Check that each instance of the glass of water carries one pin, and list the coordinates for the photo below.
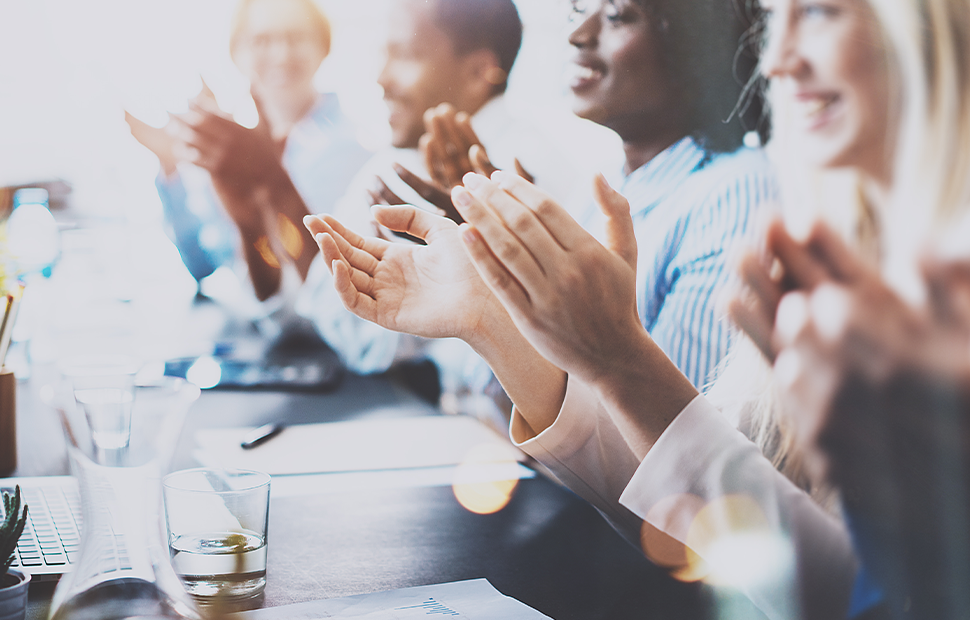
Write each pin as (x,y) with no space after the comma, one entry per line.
(104,388)
(217,521)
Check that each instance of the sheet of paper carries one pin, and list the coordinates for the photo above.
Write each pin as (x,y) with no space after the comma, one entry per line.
(343,482)
(474,599)
(359,445)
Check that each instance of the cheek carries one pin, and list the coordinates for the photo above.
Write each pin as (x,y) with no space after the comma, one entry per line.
(638,68)
(407,76)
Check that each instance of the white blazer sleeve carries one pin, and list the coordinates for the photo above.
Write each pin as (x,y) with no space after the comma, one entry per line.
(698,462)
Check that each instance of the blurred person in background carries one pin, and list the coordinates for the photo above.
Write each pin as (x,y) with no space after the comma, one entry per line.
(303,153)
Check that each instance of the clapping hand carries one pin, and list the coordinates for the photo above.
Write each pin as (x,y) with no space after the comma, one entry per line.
(840,338)
(160,141)
(572,298)
(431,291)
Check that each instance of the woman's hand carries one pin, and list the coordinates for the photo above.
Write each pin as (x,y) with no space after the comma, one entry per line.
(431,291)
(841,339)
(574,299)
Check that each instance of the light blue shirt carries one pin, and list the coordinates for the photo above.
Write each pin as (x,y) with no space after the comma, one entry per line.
(690,209)
(321,156)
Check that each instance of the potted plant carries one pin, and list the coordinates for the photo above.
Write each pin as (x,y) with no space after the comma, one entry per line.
(13,583)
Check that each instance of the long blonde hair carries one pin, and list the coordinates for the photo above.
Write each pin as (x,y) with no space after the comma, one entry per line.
(927,47)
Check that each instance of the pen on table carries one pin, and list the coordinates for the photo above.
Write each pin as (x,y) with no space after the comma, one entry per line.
(261,435)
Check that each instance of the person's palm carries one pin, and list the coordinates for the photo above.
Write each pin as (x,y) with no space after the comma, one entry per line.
(431,291)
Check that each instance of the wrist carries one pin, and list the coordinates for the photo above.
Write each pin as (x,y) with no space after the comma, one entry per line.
(643,390)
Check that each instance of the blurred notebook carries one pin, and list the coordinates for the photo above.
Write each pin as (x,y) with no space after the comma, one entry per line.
(299,362)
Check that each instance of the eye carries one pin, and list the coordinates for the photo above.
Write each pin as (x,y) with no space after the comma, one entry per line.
(577,9)
(817,10)
(619,12)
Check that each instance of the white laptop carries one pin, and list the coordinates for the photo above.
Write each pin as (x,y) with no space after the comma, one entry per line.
(52,537)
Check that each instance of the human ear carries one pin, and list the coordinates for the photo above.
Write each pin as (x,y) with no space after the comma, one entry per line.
(483,73)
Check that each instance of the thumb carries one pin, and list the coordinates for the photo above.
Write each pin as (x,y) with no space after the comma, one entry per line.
(620,237)
(206,92)
(262,123)
(411,220)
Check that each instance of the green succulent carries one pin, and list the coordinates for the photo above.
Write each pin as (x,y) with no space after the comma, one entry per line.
(14,521)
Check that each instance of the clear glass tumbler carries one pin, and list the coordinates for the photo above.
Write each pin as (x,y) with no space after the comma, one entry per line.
(217,521)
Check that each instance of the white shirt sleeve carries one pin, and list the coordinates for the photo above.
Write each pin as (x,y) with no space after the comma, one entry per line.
(700,463)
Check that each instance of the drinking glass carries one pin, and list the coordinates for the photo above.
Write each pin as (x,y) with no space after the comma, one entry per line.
(217,521)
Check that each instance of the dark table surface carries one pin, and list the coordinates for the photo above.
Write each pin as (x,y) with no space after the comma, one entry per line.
(547,547)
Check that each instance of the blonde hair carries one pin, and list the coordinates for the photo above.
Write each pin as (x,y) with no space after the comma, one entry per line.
(319,23)
(927,53)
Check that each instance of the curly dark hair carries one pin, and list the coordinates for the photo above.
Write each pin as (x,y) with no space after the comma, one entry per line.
(710,51)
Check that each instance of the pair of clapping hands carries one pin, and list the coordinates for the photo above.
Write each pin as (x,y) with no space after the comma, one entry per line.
(518,255)
(450,149)
(239,159)
(851,357)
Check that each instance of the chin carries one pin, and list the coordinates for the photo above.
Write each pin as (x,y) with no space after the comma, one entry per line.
(590,111)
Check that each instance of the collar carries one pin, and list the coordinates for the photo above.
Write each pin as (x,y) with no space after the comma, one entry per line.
(648,185)
(491,118)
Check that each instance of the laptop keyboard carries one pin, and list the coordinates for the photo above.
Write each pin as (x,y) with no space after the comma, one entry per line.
(52,536)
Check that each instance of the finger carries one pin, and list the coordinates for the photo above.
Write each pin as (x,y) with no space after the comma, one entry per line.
(375,198)
(948,285)
(208,108)
(206,92)
(765,292)
(463,125)
(501,282)
(429,192)
(452,158)
(752,323)
(351,245)
(802,269)
(832,251)
(620,235)
(457,138)
(411,220)
(330,247)
(564,229)
(522,172)
(386,195)
(480,161)
(262,123)
(357,302)
(508,249)
(435,160)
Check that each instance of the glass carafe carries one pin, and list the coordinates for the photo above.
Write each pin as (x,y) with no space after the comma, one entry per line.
(123,569)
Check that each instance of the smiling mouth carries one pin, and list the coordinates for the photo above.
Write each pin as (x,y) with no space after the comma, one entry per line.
(582,75)
(814,107)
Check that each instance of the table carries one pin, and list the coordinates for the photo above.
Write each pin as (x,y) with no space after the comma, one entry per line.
(547,548)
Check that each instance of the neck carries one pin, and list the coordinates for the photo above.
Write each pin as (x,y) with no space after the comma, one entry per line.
(876,189)
(285,112)
(639,152)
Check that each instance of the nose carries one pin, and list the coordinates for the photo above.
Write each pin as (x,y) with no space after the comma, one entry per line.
(781,55)
(586,27)
(384,79)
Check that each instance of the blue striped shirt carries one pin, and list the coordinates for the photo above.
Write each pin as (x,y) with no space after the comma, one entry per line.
(690,209)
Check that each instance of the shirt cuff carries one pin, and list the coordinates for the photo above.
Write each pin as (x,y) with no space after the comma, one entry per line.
(679,462)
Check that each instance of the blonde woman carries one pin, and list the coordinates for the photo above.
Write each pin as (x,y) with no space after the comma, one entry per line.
(596,400)
(303,150)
